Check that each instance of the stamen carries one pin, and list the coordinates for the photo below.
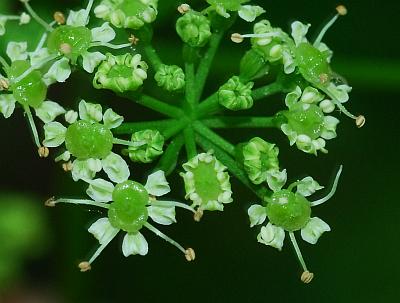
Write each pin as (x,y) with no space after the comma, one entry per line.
(4,63)
(238,38)
(300,258)
(360,121)
(128,143)
(86,265)
(198,215)
(43,152)
(41,42)
(88,9)
(306,277)
(33,126)
(332,192)
(172,203)
(67,167)
(33,67)
(59,17)
(343,109)
(109,45)
(52,202)
(4,84)
(36,16)
(183,8)
(341,11)
(190,255)
(133,40)
(165,237)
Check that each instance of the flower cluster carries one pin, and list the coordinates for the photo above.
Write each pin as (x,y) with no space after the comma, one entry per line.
(87,139)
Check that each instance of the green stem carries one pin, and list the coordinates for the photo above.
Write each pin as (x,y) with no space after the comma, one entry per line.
(190,143)
(131,127)
(242,122)
(205,64)
(169,159)
(297,250)
(36,17)
(209,106)
(191,86)
(204,131)
(32,125)
(152,56)
(232,166)
(156,105)
(266,91)
(175,128)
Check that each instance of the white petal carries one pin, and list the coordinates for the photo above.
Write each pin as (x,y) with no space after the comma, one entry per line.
(104,33)
(112,119)
(299,32)
(17,50)
(78,18)
(7,105)
(313,230)
(100,190)
(48,111)
(271,235)
(102,230)
(58,72)
(81,169)
(307,186)
(257,214)
(276,179)
(90,112)
(134,244)
(91,60)
(39,56)
(164,215)
(54,133)
(116,168)
(157,185)
(249,13)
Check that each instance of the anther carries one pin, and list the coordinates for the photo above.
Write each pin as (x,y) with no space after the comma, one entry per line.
(43,152)
(51,202)
(84,266)
(323,78)
(306,277)
(65,48)
(198,215)
(59,17)
(360,121)
(133,40)
(237,38)
(342,10)
(190,254)
(67,167)
(4,84)
(183,8)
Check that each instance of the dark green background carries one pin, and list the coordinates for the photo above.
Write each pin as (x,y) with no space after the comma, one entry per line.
(357,262)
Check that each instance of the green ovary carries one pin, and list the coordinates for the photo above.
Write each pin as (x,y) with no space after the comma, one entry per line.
(78,38)
(312,63)
(206,182)
(128,211)
(85,140)
(31,90)
(288,210)
(133,8)
(306,119)
(120,71)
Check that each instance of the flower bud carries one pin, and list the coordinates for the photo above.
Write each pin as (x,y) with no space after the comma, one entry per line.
(147,145)
(194,29)
(170,77)
(235,95)
(253,65)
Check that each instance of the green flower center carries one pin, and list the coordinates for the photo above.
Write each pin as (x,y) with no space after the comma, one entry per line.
(128,211)
(288,210)
(312,63)
(133,8)
(206,181)
(31,90)
(306,119)
(85,140)
(231,5)
(71,41)
(120,71)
